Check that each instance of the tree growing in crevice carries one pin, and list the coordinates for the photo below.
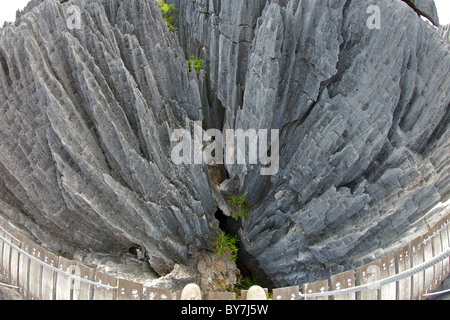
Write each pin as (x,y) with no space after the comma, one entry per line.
(169,14)
(240,205)
(226,244)
(196,63)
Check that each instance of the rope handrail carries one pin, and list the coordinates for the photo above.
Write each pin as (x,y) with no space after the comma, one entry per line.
(438,231)
(42,263)
(436,293)
(10,235)
(8,285)
(376,284)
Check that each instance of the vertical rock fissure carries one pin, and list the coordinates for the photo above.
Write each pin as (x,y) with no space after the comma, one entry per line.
(248,266)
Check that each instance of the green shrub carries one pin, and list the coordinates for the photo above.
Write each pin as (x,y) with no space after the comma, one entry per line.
(240,214)
(169,12)
(241,204)
(248,282)
(237,200)
(197,63)
(226,244)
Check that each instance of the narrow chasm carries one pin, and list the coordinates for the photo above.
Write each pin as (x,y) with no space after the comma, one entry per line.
(247,265)
(214,118)
(227,225)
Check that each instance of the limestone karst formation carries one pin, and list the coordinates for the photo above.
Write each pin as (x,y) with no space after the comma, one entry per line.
(86,116)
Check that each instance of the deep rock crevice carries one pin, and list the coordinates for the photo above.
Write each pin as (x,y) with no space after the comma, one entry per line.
(247,264)
(86,118)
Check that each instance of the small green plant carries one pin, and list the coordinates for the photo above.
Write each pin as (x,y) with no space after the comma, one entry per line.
(237,200)
(248,282)
(196,63)
(228,287)
(240,214)
(169,12)
(226,244)
(242,206)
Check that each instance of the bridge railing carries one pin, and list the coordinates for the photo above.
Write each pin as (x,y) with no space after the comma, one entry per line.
(413,272)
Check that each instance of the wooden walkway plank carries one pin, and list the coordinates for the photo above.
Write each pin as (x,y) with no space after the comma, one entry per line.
(445,245)
(6,254)
(101,293)
(404,263)
(437,249)
(161,294)
(83,290)
(24,265)
(387,266)
(64,283)
(14,258)
(447,222)
(428,254)
(49,276)
(35,273)
(417,258)
(2,233)
(289,293)
(365,275)
(342,281)
(316,287)
(129,290)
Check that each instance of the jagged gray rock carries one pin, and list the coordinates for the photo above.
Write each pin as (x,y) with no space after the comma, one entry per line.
(444,31)
(363,116)
(86,116)
(426,8)
(85,139)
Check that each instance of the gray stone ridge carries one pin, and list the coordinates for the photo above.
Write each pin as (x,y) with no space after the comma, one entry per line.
(426,8)
(86,116)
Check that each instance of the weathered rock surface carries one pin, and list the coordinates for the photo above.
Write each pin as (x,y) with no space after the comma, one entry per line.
(445,32)
(363,116)
(212,272)
(86,117)
(426,8)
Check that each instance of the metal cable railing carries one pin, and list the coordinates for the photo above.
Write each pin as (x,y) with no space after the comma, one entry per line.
(436,293)
(10,235)
(395,278)
(72,276)
(8,285)
(376,284)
